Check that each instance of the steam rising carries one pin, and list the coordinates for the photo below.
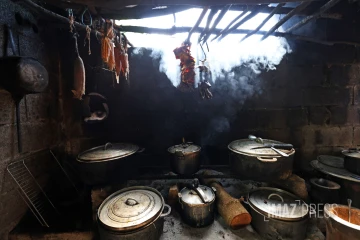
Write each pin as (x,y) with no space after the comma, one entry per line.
(223,55)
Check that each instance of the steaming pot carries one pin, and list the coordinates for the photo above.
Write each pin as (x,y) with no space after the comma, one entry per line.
(185,158)
(259,164)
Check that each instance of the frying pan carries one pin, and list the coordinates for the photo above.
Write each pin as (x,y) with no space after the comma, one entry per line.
(21,76)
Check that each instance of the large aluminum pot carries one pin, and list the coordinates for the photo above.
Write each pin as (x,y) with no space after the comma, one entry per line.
(197,204)
(131,214)
(111,162)
(338,226)
(352,160)
(185,158)
(277,214)
(259,164)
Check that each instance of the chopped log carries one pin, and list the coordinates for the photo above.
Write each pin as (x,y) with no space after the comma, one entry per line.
(211,15)
(229,208)
(174,30)
(323,9)
(278,7)
(173,198)
(230,24)
(241,22)
(223,11)
(293,184)
(205,9)
(299,8)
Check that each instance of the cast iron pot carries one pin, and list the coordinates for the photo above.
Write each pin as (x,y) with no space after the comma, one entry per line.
(324,191)
(337,222)
(277,214)
(352,160)
(131,214)
(112,162)
(197,204)
(261,164)
(185,158)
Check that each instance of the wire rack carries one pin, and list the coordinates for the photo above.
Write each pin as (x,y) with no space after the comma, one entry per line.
(32,193)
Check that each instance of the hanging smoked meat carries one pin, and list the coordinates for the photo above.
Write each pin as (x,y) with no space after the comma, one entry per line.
(117,54)
(107,46)
(79,74)
(187,64)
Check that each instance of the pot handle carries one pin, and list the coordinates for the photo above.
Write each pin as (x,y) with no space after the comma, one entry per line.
(141,150)
(107,145)
(267,159)
(277,195)
(164,214)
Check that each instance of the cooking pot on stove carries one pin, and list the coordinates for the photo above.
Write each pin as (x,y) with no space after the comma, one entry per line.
(132,213)
(185,158)
(352,160)
(252,161)
(338,226)
(197,204)
(277,214)
(111,162)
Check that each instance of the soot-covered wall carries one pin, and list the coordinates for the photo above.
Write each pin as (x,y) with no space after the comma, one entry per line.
(310,100)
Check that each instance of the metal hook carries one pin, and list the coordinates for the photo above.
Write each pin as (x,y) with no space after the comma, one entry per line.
(82,16)
(70,12)
(203,61)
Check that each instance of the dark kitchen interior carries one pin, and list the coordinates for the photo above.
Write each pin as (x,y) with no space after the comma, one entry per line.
(105,137)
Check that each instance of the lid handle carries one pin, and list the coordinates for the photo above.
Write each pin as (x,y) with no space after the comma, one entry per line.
(277,195)
(107,145)
(199,191)
(131,202)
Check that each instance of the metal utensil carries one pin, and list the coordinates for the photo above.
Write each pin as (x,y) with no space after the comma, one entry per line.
(279,152)
(280,145)
(349,204)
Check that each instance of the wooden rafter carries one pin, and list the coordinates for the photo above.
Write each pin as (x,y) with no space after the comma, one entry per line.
(299,8)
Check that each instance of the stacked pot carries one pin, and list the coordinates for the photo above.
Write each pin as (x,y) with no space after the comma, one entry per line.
(132,213)
(185,158)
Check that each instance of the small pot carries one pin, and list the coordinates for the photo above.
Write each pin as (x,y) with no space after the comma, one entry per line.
(197,204)
(337,222)
(107,163)
(324,191)
(131,214)
(352,160)
(185,158)
(277,214)
(259,164)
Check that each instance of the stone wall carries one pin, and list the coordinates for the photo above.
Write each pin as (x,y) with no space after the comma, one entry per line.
(38,111)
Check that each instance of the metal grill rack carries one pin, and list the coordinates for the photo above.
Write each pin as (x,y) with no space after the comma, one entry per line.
(32,193)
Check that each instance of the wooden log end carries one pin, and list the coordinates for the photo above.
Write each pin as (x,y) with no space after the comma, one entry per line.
(240,221)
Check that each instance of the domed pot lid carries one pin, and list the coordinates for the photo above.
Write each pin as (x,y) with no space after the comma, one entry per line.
(196,194)
(278,204)
(107,152)
(130,208)
(187,147)
(253,148)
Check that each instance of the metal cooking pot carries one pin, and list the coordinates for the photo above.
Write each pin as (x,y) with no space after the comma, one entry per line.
(324,191)
(132,213)
(277,214)
(337,222)
(259,164)
(197,204)
(185,158)
(352,160)
(111,162)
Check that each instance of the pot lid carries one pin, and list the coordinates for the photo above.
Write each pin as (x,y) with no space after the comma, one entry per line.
(277,203)
(332,161)
(201,195)
(187,147)
(250,147)
(109,151)
(130,208)
(352,152)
